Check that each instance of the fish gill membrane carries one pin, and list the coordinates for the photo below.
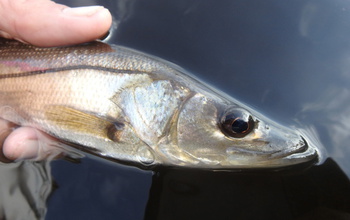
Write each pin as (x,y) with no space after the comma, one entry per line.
(132,107)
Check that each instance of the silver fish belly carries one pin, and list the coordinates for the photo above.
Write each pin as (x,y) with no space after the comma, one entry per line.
(133,107)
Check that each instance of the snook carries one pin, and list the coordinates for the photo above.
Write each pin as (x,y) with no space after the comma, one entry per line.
(126,105)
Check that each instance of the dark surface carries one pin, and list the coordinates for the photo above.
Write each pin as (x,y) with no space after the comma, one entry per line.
(316,193)
(97,189)
(288,59)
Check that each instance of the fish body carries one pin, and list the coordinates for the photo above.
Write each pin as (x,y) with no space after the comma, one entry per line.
(126,105)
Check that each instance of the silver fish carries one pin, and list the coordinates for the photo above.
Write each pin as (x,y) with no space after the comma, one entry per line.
(123,104)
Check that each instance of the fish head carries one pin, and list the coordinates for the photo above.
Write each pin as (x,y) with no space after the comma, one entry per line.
(215,133)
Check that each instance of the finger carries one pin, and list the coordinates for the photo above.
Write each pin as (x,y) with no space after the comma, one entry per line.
(45,23)
(28,143)
(22,143)
(5,129)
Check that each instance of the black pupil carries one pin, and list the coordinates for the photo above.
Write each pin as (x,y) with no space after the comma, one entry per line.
(237,123)
(239,126)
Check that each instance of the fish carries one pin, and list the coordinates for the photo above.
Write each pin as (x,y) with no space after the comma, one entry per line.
(128,106)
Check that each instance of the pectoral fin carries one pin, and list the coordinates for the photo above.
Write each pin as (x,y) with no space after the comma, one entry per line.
(86,123)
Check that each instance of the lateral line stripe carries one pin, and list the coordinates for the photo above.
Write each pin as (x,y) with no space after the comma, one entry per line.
(52,70)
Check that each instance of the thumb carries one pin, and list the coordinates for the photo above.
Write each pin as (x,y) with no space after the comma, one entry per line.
(45,23)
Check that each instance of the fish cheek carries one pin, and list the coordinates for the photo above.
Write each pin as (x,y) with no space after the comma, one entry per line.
(198,131)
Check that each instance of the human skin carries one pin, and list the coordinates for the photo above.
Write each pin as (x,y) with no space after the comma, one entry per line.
(43,23)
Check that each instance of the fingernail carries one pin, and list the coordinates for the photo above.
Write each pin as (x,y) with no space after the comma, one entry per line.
(83,11)
(104,36)
(20,40)
(5,34)
(8,36)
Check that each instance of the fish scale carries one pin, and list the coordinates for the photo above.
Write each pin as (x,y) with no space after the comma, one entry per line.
(132,107)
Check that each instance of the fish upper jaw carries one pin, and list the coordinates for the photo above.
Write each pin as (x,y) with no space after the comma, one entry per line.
(300,152)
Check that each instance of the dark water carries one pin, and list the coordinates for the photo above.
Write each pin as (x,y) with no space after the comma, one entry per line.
(288,59)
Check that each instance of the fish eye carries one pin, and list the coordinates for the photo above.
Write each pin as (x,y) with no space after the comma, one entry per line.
(237,123)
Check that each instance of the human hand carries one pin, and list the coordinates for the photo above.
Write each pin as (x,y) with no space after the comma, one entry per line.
(43,23)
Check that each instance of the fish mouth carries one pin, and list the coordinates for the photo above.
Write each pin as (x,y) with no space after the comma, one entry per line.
(305,152)
(300,153)
(304,147)
(301,147)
